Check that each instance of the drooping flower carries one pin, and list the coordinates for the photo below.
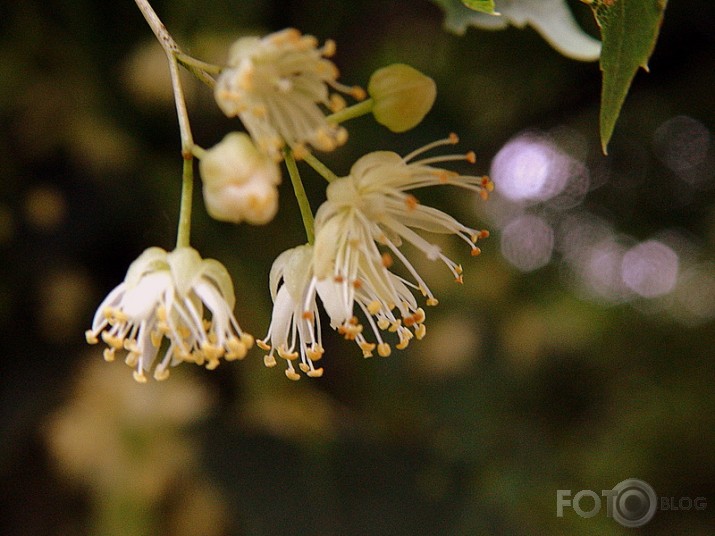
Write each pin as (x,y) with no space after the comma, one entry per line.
(279,86)
(295,330)
(176,303)
(361,226)
(551,18)
(239,181)
(295,324)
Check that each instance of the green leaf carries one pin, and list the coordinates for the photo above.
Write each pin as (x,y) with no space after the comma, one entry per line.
(629,31)
(485,6)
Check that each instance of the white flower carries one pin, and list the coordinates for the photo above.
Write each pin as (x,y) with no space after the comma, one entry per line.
(295,324)
(166,296)
(240,182)
(371,209)
(551,18)
(279,86)
(295,330)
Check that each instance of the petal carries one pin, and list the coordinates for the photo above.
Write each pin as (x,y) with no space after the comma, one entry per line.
(219,276)
(150,260)
(140,301)
(185,264)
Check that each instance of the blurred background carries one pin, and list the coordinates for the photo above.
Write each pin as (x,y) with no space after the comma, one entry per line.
(578,353)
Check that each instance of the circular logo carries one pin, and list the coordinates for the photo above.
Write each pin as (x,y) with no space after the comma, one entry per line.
(635,503)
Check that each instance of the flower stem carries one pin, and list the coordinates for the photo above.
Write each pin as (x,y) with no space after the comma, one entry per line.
(318,166)
(351,112)
(300,195)
(183,233)
(172,51)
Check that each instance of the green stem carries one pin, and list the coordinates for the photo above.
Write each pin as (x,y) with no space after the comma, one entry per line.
(187,190)
(321,168)
(200,69)
(351,112)
(173,52)
(300,195)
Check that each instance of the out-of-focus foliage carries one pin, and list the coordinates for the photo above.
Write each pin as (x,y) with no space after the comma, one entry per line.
(577,353)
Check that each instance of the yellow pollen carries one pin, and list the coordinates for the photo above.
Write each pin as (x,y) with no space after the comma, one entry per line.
(211,364)
(160,374)
(155,337)
(420,332)
(383,349)
(108,354)
(132,359)
(315,353)
(394,326)
(236,349)
(366,346)
(411,202)
(304,367)
(329,48)
(459,279)
(419,315)
(403,343)
(358,93)
(471,157)
(453,138)
(458,269)
(432,302)
(91,337)
(315,373)
(269,361)
(197,357)
(111,340)
(383,323)
(292,375)
(212,352)
(247,339)
(373,307)
(139,376)
(337,102)
(285,354)
(262,345)
(300,151)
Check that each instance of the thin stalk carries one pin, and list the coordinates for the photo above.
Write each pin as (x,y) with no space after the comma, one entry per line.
(318,166)
(300,195)
(183,233)
(351,112)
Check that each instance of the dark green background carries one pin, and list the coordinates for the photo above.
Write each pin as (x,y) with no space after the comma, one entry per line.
(410,448)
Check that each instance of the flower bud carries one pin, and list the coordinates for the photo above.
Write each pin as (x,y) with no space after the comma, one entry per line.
(239,181)
(402,96)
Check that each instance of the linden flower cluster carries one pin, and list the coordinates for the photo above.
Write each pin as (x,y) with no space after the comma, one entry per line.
(359,230)
(175,307)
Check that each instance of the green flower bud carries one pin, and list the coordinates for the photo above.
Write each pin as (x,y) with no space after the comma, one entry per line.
(402,96)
